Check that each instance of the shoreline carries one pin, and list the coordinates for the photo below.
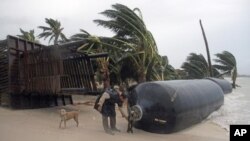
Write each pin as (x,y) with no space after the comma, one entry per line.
(43,125)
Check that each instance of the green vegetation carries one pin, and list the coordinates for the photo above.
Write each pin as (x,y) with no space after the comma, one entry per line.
(29,36)
(197,67)
(227,65)
(54,31)
(133,53)
(132,37)
(94,45)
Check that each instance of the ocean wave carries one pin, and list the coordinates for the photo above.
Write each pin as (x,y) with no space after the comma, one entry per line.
(236,107)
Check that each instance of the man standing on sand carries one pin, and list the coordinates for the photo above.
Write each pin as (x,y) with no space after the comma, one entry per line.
(106,106)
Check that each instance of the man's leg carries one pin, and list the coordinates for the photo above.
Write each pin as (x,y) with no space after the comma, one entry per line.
(113,124)
(105,125)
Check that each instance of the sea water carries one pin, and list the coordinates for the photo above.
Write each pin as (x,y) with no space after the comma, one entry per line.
(236,108)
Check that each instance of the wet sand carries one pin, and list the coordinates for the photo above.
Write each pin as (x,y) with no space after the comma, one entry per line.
(43,125)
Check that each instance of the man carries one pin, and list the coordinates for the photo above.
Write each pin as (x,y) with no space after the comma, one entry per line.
(106,106)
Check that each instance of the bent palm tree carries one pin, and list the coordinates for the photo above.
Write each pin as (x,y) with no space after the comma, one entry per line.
(132,37)
(227,64)
(94,45)
(161,70)
(29,36)
(168,70)
(207,50)
(197,67)
(80,36)
(54,31)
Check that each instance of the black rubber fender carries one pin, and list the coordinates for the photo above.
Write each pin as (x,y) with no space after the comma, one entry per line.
(224,84)
(169,106)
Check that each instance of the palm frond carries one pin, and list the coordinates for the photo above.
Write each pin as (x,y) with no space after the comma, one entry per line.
(54,31)
(227,63)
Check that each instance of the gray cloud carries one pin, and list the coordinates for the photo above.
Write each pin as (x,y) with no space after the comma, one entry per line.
(174,24)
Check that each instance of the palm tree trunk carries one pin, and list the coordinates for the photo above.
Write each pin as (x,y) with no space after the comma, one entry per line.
(105,75)
(141,76)
(208,53)
(106,80)
(162,72)
(56,40)
(234,76)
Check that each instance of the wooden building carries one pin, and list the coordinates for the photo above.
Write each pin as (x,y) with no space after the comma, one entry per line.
(34,75)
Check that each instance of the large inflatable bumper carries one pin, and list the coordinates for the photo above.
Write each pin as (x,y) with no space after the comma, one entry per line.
(169,106)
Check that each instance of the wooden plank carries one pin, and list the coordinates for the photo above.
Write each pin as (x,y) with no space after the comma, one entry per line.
(92,78)
(82,72)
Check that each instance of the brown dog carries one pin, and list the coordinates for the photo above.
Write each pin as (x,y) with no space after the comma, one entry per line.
(65,116)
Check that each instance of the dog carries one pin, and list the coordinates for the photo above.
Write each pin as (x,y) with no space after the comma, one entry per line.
(65,116)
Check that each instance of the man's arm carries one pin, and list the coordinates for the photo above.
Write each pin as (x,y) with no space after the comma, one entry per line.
(104,96)
(122,112)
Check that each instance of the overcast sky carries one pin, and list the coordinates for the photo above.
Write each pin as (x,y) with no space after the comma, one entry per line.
(174,23)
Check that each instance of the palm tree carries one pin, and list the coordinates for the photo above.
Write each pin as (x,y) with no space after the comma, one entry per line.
(161,70)
(227,65)
(108,68)
(80,36)
(54,31)
(94,45)
(168,71)
(208,53)
(28,35)
(132,37)
(197,67)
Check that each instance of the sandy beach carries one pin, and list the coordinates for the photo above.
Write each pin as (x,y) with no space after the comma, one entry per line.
(43,125)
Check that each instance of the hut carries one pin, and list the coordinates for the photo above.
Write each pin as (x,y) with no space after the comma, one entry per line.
(34,75)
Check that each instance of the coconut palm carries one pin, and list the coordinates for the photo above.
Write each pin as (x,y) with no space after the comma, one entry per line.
(227,65)
(132,37)
(168,71)
(83,35)
(107,67)
(28,35)
(128,71)
(197,67)
(161,70)
(94,45)
(54,31)
(207,50)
